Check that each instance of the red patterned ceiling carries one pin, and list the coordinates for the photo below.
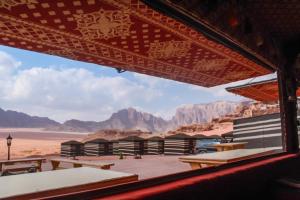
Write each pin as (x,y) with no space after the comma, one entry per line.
(124,34)
(265,91)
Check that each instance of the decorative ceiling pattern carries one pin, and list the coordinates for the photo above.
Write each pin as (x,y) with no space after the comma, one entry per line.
(123,34)
(265,91)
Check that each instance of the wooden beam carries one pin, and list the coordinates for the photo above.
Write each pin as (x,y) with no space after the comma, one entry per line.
(288,108)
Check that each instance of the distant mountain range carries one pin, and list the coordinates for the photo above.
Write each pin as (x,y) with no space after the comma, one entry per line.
(13,119)
(125,119)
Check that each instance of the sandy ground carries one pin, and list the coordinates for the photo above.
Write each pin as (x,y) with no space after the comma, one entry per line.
(224,128)
(29,147)
(34,142)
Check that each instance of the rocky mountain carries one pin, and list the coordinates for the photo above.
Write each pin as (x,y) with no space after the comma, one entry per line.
(201,113)
(131,119)
(128,119)
(77,125)
(125,119)
(21,120)
(224,124)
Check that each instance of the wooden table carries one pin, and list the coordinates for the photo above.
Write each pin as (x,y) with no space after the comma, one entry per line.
(79,163)
(223,157)
(38,161)
(230,146)
(52,183)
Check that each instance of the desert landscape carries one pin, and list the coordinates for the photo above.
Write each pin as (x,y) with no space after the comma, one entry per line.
(36,136)
(37,142)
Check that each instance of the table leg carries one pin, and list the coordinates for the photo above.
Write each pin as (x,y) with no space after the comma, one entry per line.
(208,165)
(105,167)
(75,165)
(195,165)
(39,162)
(55,164)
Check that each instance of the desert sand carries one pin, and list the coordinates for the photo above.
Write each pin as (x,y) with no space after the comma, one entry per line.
(224,128)
(30,147)
(34,142)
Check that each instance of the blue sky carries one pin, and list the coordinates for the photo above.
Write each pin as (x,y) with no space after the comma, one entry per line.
(63,89)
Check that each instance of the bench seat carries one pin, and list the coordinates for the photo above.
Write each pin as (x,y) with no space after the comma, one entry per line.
(20,167)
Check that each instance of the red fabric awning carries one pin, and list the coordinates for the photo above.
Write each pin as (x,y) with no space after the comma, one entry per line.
(265,91)
(122,34)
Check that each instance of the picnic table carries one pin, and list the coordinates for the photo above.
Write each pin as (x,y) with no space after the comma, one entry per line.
(218,158)
(52,183)
(21,164)
(230,146)
(79,163)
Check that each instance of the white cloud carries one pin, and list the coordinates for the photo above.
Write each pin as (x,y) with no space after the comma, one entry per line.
(65,93)
(7,64)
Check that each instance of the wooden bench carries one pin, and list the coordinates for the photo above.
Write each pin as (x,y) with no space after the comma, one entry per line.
(230,146)
(20,164)
(79,163)
(223,157)
(20,167)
